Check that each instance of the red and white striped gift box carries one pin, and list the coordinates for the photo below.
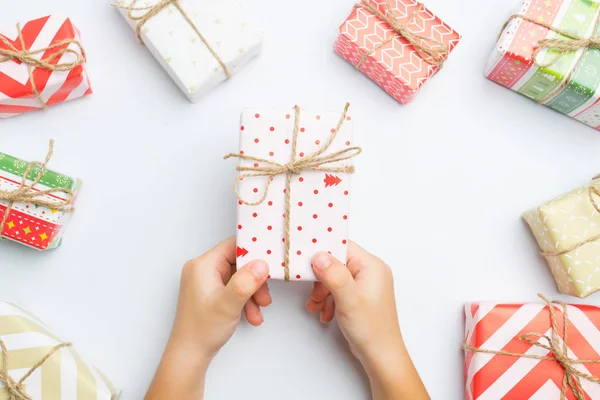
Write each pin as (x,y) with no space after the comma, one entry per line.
(16,89)
(499,327)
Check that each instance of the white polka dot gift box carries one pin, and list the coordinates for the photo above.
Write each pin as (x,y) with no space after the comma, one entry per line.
(39,365)
(200,43)
(544,54)
(293,188)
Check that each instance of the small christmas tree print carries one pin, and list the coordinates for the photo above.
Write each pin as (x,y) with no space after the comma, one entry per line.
(241,252)
(331,180)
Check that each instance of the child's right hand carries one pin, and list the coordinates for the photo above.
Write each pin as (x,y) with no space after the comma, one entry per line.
(361,296)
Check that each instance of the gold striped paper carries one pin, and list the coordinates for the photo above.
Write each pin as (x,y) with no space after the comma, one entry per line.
(64,376)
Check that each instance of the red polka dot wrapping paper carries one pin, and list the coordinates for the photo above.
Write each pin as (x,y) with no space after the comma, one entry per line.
(319,212)
(16,90)
(396,66)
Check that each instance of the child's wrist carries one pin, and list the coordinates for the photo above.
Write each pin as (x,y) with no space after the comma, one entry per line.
(386,358)
(189,351)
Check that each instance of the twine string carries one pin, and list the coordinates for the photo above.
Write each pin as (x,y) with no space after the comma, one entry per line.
(593,194)
(15,390)
(559,349)
(561,47)
(27,192)
(430,50)
(317,161)
(153,10)
(28,57)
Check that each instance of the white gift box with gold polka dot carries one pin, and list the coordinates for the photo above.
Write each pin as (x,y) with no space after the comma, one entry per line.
(319,200)
(179,49)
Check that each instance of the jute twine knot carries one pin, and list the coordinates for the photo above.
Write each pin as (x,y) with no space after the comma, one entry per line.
(593,195)
(431,51)
(28,194)
(572,43)
(559,349)
(153,10)
(310,162)
(51,63)
(15,389)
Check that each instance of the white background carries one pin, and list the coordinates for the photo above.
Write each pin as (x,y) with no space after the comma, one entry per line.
(438,194)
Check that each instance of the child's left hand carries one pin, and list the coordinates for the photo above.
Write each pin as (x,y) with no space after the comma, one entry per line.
(211,300)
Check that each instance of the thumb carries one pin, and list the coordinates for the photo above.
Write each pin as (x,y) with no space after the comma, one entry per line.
(244,284)
(336,277)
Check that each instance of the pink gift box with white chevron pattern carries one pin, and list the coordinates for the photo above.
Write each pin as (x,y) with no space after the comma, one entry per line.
(396,65)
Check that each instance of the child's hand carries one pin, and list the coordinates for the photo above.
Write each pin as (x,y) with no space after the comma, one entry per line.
(211,301)
(361,295)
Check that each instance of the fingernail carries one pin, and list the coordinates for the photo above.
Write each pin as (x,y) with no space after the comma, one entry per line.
(259,268)
(322,261)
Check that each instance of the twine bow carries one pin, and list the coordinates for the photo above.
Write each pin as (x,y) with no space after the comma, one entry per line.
(592,191)
(560,46)
(310,162)
(559,350)
(15,390)
(153,10)
(28,57)
(432,51)
(28,193)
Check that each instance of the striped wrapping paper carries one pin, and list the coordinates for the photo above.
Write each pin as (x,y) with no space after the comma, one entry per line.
(35,226)
(498,327)
(511,63)
(64,376)
(16,90)
(396,66)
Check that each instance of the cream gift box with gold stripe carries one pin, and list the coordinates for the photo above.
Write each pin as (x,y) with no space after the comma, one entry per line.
(567,230)
(62,376)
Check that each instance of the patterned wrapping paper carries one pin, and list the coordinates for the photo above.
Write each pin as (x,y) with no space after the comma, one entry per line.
(16,90)
(512,65)
(319,201)
(179,49)
(63,376)
(562,223)
(35,226)
(396,66)
(499,327)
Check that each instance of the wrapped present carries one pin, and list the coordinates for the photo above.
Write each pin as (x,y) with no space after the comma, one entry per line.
(546,52)
(293,188)
(39,365)
(200,43)
(567,230)
(35,203)
(42,63)
(399,44)
(532,351)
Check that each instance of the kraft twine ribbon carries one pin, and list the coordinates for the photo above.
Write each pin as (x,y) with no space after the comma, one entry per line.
(432,51)
(310,162)
(15,390)
(592,191)
(562,46)
(153,10)
(559,349)
(27,193)
(28,57)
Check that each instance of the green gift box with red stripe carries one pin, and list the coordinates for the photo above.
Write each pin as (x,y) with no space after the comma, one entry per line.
(528,60)
(38,226)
